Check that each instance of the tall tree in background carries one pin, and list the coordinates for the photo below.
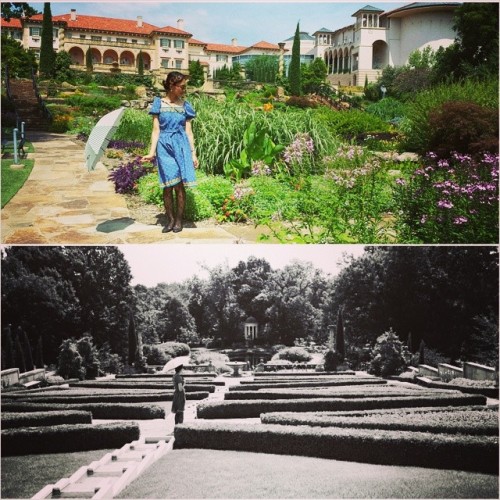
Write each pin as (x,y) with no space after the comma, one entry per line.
(88,60)
(47,53)
(17,10)
(294,68)
(340,336)
(196,74)
(140,64)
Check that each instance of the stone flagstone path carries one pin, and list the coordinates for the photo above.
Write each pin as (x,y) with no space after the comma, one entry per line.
(63,203)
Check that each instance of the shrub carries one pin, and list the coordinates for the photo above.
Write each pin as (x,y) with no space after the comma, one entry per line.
(465,127)
(216,189)
(477,453)
(387,109)
(175,349)
(293,354)
(34,419)
(154,355)
(253,408)
(198,207)
(70,361)
(108,411)
(332,360)
(126,175)
(387,356)
(320,382)
(480,421)
(416,125)
(451,200)
(67,438)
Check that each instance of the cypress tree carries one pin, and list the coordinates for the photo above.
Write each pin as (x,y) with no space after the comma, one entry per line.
(421,353)
(26,346)
(88,60)
(47,53)
(409,343)
(340,336)
(39,353)
(294,68)
(132,340)
(9,349)
(20,361)
(140,63)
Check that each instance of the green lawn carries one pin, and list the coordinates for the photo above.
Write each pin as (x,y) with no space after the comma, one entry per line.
(23,476)
(226,474)
(13,179)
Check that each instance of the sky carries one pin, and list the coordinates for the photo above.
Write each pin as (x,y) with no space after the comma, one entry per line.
(153,264)
(221,21)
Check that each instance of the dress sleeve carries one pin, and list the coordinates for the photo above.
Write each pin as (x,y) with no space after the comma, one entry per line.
(155,107)
(189,110)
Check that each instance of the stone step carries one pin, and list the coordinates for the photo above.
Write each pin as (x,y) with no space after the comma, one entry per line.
(86,488)
(111,469)
(128,456)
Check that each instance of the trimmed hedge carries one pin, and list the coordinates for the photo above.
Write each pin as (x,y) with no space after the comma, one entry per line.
(449,421)
(67,438)
(39,418)
(246,385)
(326,393)
(308,374)
(117,411)
(109,398)
(253,409)
(197,387)
(439,451)
(187,376)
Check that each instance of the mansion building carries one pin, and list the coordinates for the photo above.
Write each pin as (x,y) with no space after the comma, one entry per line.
(353,53)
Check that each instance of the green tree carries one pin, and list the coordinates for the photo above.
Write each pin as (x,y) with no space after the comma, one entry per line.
(140,64)
(26,347)
(196,74)
(89,355)
(89,64)
(475,50)
(313,76)
(62,67)
(17,10)
(262,69)
(294,68)
(16,58)
(47,53)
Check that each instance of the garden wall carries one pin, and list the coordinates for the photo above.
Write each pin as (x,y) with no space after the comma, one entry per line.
(449,372)
(428,371)
(12,376)
(475,371)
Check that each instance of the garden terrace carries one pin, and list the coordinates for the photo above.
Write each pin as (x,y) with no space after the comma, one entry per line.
(187,376)
(441,451)
(118,411)
(313,375)
(364,392)
(490,392)
(253,408)
(479,421)
(67,438)
(11,420)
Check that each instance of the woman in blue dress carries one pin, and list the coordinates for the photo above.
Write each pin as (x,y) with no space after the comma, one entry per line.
(172,143)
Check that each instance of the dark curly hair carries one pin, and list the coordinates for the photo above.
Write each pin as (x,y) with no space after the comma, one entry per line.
(173,78)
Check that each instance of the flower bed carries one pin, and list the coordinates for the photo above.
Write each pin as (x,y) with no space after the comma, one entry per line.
(11,420)
(446,420)
(67,438)
(107,411)
(253,408)
(441,451)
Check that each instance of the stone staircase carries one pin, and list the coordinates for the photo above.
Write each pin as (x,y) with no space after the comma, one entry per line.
(107,477)
(27,106)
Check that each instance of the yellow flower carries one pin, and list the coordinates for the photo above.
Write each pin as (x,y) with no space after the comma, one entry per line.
(267,106)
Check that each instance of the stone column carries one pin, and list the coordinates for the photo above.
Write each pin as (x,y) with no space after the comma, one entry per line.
(281,66)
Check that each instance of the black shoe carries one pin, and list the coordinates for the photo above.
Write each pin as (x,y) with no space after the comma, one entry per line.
(167,229)
(177,229)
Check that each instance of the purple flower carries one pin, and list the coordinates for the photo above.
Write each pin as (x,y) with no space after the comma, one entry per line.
(401,182)
(445,204)
(460,220)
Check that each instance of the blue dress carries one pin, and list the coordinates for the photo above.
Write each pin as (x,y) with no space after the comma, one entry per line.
(173,152)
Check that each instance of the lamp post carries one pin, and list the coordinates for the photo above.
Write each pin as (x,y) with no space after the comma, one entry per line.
(383,89)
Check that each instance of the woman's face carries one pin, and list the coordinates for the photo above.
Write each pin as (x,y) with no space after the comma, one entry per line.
(178,89)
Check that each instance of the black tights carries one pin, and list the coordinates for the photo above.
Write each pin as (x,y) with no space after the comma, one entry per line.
(168,202)
(179,417)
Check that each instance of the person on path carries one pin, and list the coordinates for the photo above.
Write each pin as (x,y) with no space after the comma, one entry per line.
(172,143)
(179,400)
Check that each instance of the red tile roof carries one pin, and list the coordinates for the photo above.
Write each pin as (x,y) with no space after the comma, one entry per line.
(219,47)
(265,45)
(12,23)
(193,41)
(172,31)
